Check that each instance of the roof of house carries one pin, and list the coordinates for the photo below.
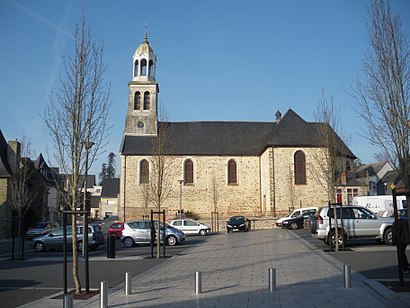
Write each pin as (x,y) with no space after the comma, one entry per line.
(230,138)
(370,169)
(110,188)
(5,170)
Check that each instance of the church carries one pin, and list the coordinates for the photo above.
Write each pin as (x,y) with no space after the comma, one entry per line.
(231,168)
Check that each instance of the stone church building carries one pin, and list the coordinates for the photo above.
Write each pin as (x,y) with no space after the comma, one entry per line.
(249,168)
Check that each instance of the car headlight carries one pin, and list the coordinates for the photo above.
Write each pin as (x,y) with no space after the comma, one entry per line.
(229,226)
(241,225)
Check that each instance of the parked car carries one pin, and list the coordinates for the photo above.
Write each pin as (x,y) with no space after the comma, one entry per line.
(190,226)
(297,222)
(55,238)
(239,223)
(139,232)
(358,222)
(295,213)
(41,228)
(116,228)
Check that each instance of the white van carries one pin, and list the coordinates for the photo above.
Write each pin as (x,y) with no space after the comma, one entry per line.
(380,204)
(295,213)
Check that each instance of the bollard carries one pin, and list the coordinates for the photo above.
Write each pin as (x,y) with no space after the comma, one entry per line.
(111,246)
(347,276)
(104,294)
(198,283)
(272,279)
(128,283)
(68,301)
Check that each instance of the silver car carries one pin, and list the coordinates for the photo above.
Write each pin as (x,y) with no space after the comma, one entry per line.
(54,240)
(139,232)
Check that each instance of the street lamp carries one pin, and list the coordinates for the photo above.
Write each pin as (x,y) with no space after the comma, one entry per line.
(181,182)
(87,145)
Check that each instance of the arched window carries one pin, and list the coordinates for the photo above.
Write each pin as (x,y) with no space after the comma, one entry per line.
(300,168)
(137,100)
(136,68)
(188,172)
(146,100)
(232,172)
(143,67)
(151,68)
(144,172)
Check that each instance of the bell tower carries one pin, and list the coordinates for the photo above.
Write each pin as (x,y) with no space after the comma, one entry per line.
(143,93)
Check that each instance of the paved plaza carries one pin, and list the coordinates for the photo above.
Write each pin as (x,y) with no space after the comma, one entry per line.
(235,273)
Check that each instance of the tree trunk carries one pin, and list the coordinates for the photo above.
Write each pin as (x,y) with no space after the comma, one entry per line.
(77,283)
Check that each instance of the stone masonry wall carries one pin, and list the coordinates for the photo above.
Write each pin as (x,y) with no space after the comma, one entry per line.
(311,194)
(243,198)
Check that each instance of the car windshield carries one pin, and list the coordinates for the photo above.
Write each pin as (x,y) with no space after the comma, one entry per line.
(237,219)
(40,225)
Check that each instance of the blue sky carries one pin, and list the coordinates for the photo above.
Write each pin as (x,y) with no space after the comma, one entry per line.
(217,60)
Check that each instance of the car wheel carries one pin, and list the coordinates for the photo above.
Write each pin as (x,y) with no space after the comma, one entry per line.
(228,231)
(388,237)
(340,238)
(312,224)
(129,242)
(39,246)
(203,232)
(80,245)
(293,226)
(172,240)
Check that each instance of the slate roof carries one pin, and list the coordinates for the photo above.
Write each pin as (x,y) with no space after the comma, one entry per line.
(5,170)
(229,138)
(110,188)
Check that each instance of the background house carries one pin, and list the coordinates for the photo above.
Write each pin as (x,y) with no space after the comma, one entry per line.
(109,204)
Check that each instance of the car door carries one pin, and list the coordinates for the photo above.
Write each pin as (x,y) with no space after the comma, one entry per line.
(190,227)
(367,223)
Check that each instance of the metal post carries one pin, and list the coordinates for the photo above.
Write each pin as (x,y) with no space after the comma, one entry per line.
(180,197)
(104,294)
(272,279)
(128,283)
(65,252)
(347,276)
(68,301)
(198,282)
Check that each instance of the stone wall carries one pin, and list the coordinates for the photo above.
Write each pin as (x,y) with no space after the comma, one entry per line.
(242,198)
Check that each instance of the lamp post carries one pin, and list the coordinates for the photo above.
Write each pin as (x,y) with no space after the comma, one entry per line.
(87,145)
(181,182)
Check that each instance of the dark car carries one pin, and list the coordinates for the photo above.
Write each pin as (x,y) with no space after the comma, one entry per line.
(116,228)
(239,223)
(297,222)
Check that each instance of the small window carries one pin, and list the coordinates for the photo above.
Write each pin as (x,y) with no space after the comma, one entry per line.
(147,101)
(232,172)
(188,172)
(136,68)
(143,67)
(151,68)
(177,223)
(300,168)
(144,172)
(137,100)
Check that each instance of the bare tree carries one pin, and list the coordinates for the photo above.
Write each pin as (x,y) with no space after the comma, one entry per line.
(383,92)
(161,171)
(332,150)
(22,192)
(77,119)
